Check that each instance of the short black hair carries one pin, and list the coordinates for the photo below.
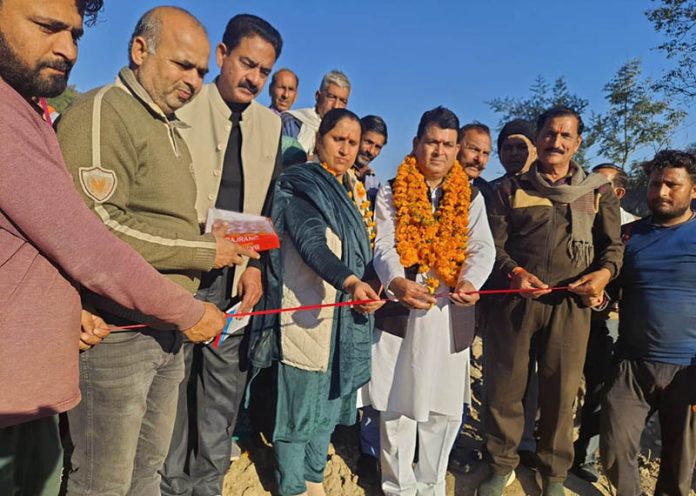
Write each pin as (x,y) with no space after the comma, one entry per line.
(375,124)
(246,25)
(441,117)
(89,9)
(672,159)
(559,111)
(620,179)
(333,116)
(473,126)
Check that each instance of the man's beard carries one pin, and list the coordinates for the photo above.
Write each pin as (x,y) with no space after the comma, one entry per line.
(362,161)
(667,214)
(28,81)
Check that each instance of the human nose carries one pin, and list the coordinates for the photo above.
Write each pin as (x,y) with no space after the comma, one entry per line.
(256,77)
(193,79)
(557,141)
(65,46)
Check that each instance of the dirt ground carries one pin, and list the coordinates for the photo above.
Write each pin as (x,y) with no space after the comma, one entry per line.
(252,473)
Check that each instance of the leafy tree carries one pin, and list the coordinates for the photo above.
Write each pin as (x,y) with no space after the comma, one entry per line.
(61,102)
(676,20)
(543,96)
(636,117)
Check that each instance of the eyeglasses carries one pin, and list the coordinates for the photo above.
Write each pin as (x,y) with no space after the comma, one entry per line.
(477,150)
(331,97)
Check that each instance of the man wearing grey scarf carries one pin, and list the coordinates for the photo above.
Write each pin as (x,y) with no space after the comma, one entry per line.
(554,226)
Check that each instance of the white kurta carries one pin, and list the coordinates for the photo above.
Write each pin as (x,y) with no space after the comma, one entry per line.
(420,373)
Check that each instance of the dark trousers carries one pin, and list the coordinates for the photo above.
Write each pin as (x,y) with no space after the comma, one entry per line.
(637,389)
(597,369)
(121,429)
(199,455)
(560,329)
(31,458)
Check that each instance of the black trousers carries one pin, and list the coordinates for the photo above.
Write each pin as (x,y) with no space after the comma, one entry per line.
(637,389)
(598,362)
(209,401)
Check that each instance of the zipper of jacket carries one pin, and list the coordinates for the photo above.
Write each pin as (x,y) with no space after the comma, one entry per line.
(547,248)
(172,139)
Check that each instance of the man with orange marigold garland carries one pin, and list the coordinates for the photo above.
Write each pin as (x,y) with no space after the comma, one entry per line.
(433,250)
(554,226)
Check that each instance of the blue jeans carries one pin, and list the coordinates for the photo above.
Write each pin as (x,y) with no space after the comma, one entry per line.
(121,430)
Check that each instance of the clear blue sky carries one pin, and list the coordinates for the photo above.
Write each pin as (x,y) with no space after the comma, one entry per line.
(404,57)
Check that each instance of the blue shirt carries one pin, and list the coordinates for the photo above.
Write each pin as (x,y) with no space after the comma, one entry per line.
(658,306)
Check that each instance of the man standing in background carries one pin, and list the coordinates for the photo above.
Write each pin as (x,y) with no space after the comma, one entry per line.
(474,152)
(303,124)
(283,90)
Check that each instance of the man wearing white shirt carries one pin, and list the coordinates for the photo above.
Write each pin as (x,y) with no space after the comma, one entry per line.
(420,369)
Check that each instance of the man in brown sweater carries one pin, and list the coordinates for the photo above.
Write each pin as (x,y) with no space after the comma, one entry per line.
(554,225)
(49,244)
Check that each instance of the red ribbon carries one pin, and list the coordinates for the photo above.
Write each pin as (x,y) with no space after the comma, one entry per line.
(351,303)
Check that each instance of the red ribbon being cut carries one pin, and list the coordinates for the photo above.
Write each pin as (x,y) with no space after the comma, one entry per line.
(351,303)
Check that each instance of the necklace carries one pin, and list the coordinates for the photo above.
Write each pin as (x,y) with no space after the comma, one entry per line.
(357,193)
(432,240)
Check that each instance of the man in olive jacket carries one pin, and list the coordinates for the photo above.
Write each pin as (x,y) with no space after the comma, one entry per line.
(121,144)
(553,226)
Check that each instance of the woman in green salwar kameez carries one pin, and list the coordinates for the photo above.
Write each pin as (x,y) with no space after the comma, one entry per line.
(321,357)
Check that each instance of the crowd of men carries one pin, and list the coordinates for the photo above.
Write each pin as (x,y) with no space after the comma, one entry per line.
(100,228)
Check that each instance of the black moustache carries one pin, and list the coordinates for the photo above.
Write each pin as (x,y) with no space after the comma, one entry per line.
(248,86)
(59,65)
(554,150)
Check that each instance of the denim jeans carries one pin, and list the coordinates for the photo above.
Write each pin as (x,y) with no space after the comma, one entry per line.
(121,430)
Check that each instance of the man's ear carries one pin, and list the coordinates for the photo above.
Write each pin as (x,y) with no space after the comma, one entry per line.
(620,192)
(220,53)
(139,51)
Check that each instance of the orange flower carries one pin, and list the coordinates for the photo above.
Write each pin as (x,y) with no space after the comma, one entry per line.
(433,240)
(357,194)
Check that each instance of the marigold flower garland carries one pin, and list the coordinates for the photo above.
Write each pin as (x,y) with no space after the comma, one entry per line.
(432,240)
(358,194)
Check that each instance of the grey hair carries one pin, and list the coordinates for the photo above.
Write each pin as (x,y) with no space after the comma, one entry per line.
(334,77)
(149,27)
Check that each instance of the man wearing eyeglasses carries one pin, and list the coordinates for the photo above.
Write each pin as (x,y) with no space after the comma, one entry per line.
(303,124)
(474,153)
